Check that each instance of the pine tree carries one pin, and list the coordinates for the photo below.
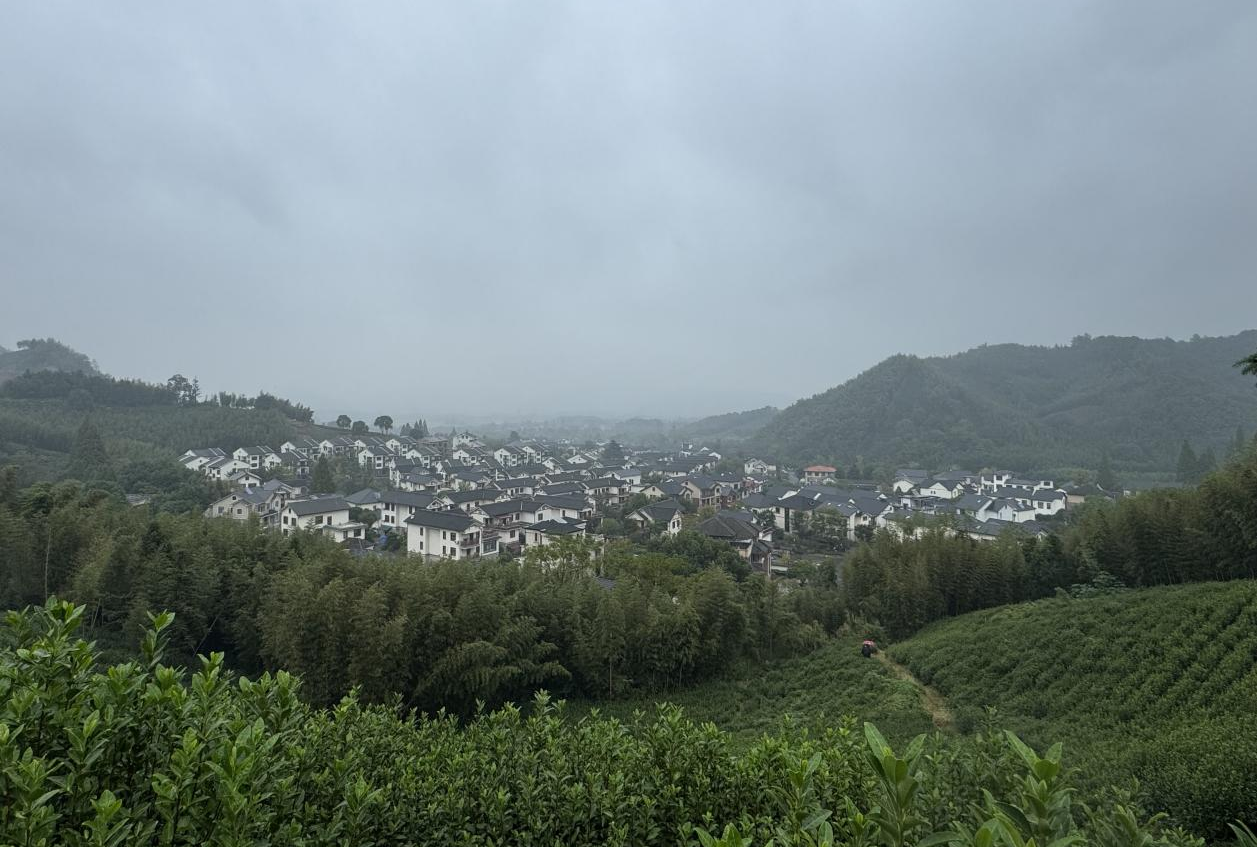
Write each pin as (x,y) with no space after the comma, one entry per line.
(1187,463)
(1240,444)
(322,483)
(1105,478)
(1207,463)
(88,458)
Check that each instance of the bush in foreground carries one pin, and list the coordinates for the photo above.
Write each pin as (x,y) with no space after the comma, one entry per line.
(142,753)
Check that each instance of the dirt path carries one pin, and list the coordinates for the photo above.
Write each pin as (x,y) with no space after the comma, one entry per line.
(934,703)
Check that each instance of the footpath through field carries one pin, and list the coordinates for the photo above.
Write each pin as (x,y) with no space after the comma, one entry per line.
(935,704)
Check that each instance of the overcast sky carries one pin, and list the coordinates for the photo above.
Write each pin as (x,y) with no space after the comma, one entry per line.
(671,208)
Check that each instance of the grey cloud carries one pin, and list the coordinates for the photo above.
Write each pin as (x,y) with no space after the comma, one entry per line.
(652,208)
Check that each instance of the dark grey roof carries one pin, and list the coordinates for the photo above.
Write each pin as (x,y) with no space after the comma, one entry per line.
(971,502)
(564,502)
(500,508)
(728,527)
(670,487)
(564,477)
(702,481)
(314,506)
(473,495)
(422,500)
(515,483)
(662,511)
(562,488)
(363,496)
(550,527)
(457,521)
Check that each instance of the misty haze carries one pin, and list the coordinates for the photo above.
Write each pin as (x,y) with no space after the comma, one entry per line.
(654,423)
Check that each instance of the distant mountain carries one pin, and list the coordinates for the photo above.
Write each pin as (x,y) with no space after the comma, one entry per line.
(1030,408)
(42,355)
(732,426)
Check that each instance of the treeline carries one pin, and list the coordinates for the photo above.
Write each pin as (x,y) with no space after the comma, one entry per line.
(1159,537)
(94,388)
(264,400)
(441,635)
(140,754)
(173,428)
(83,390)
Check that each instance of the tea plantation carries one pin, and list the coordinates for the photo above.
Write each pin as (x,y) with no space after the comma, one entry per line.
(1158,684)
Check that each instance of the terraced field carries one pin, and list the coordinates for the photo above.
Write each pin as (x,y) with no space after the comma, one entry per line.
(1158,684)
(815,691)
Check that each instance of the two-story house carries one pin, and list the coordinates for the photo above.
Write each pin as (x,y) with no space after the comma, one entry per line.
(448,535)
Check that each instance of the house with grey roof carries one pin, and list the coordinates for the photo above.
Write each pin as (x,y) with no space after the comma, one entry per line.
(665,515)
(313,514)
(446,535)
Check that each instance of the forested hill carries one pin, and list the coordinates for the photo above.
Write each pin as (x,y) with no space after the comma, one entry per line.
(732,425)
(1027,407)
(42,355)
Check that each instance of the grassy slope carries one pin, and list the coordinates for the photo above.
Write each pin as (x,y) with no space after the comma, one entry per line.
(1127,663)
(816,691)
(1158,684)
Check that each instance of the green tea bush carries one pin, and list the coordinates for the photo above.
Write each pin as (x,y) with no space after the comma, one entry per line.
(144,753)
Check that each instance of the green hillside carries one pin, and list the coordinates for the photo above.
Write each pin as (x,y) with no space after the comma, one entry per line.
(143,427)
(1158,684)
(731,426)
(814,691)
(42,355)
(1034,408)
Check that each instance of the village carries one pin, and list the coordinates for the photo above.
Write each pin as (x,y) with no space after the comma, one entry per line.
(456,497)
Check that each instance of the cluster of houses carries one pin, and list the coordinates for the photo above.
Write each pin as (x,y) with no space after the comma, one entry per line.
(455,497)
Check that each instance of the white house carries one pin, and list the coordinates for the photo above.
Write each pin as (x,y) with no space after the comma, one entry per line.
(817,474)
(467,500)
(1048,501)
(547,532)
(259,457)
(465,439)
(449,535)
(395,507)
(508,519)
(425,455)
(940,489)
(313,513)
(197,458)
(344,532)
(223,467)
(993,480)
(244,479)
(758,468)
(508,456)
(665,514)
(567,506)
(378,457)
(1006,509)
